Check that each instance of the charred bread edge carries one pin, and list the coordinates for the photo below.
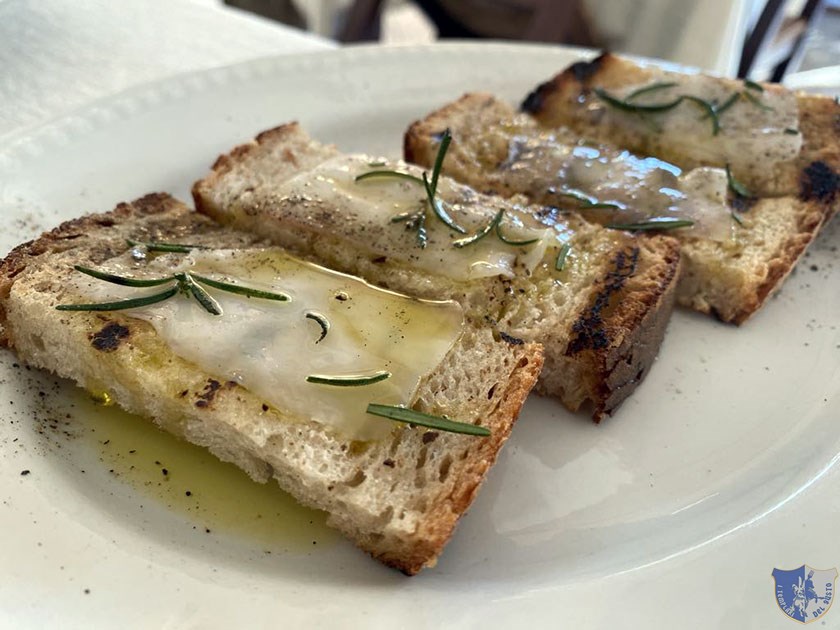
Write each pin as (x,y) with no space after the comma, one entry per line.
(622,359)
(780,267)
(633,329)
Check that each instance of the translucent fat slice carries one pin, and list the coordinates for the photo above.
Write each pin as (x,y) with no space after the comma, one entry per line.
(271,347)
(329,197)
(753,123)
(614,186)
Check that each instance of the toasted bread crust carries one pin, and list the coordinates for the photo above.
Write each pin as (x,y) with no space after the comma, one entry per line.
(624,323)
(556,102)
(716,279)
(106,349)
(637,318)
(439,527)
(625,330)
(227,161)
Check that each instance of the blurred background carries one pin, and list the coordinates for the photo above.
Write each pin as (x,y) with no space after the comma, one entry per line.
(760,39)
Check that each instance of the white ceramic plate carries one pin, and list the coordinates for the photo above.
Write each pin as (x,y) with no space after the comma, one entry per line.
(671,514)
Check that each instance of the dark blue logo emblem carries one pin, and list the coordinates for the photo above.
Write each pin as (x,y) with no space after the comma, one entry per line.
(805,594)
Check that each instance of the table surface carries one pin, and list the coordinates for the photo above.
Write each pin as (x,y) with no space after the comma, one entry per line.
(56,55)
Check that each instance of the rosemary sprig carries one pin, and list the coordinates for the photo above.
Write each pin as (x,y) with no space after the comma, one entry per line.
(618,103)
(186,283)
(322,321)
(417,221)
(121,305)
(348,381)
(474,238)
(154,246)
(791,131)
(649,108)
(560,262)
(653,224)
(388,174)
(410,416)
(734,185)
(736,218)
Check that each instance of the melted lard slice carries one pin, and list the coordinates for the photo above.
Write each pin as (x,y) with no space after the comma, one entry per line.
(333,325)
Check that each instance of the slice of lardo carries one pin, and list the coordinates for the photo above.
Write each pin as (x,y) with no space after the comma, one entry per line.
(598,300)
(777,142)
(271,362)
(736,252)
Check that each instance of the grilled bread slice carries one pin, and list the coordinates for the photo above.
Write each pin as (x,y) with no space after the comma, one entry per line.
(600,313)
(398,497)
(729,275)
(777,142)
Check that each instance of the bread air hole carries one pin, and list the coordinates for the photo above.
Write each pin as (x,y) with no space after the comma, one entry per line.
(421,457)
(356,480)
(444,467)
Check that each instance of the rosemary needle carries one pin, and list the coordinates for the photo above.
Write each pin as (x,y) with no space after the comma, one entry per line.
(322,321)
(474,238)
(348,381)
(508,241)
(734,185)
(560,262)
(653,224)
(752,85)
(445,141)
(121,280)
(410,416)
(655,87)
(388,174)
(122,304)
(188,285)
(437,205)
(153,246)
